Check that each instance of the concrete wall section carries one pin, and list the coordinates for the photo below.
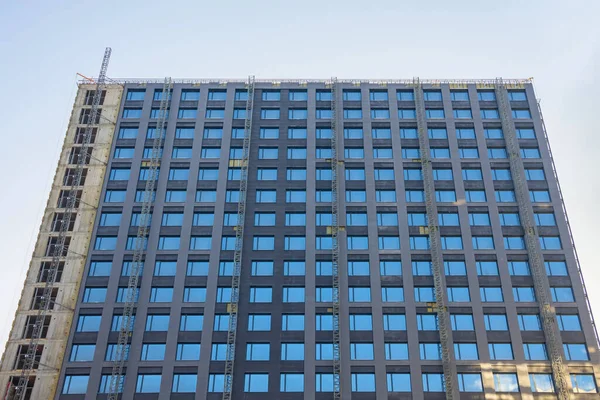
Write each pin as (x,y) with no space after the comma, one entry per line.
(67,284)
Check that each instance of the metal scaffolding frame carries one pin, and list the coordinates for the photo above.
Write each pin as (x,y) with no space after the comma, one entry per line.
(335,248)
(536,259)
(437,261)
(59,255)
(239,244)
(454,83)
(126,328)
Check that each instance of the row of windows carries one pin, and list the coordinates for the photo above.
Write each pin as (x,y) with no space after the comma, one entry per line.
(325,196)
(363,351)
(325,219)
(326,113)
(359,294)
(300,153)
(324,268)
(325,133)
(360,382)
(357,322)
(267,243)
(351,174)
(325,95)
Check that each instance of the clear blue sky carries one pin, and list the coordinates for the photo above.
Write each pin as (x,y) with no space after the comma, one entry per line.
(44,43)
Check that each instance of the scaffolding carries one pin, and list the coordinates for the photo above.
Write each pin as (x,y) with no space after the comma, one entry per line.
(536,260)
(335,248)
(437,262)
(59,254)
(126,327)
(239,244)
(453,83)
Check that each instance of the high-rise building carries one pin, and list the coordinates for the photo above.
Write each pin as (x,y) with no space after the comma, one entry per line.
(414,228)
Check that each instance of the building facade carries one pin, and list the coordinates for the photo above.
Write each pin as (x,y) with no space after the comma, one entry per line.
(427,179)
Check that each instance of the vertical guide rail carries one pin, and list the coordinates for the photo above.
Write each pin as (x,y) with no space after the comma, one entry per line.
(437,261)
(562,204)
(126,327)
(335,248)
(58,253)
(536,262)
(239,243)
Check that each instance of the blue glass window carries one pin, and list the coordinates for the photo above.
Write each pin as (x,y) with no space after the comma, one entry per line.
(358,268)
(256,383)
(486,95)
(357,242)
(157,323)
(491,294)
(131,113)
(361,351)
(184,383)
(465,133)
(293,294)
(405,95)
(352,196)
(293,322)
(359,294)
(148,383)
(472,174)
(200,242)
(297,196)
(576,351)
(215,113)
(435,113)
(264,219)
(500,351)
(323,113)
(466,351)
(363,382)
(583,383)
(323,95)
(398,382)
(506,382)
(324,133)
(495,322)
(297,113)
(451,243)
(194,294)
(407,113)
(297,95)
(206,196)
(292,351)
(442,174)
(221,322)
(489,113)
(266,196)
(385,196)
(75,384)
(269,113)
(197,268)
(470,383)
(462,113)
(361,322)
(392,294)
(521,114)
(187,113)
(394,322)
(153,352)
(462,322)
(257,351)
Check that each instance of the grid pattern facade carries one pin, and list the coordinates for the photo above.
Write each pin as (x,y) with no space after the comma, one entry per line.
(389,335)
